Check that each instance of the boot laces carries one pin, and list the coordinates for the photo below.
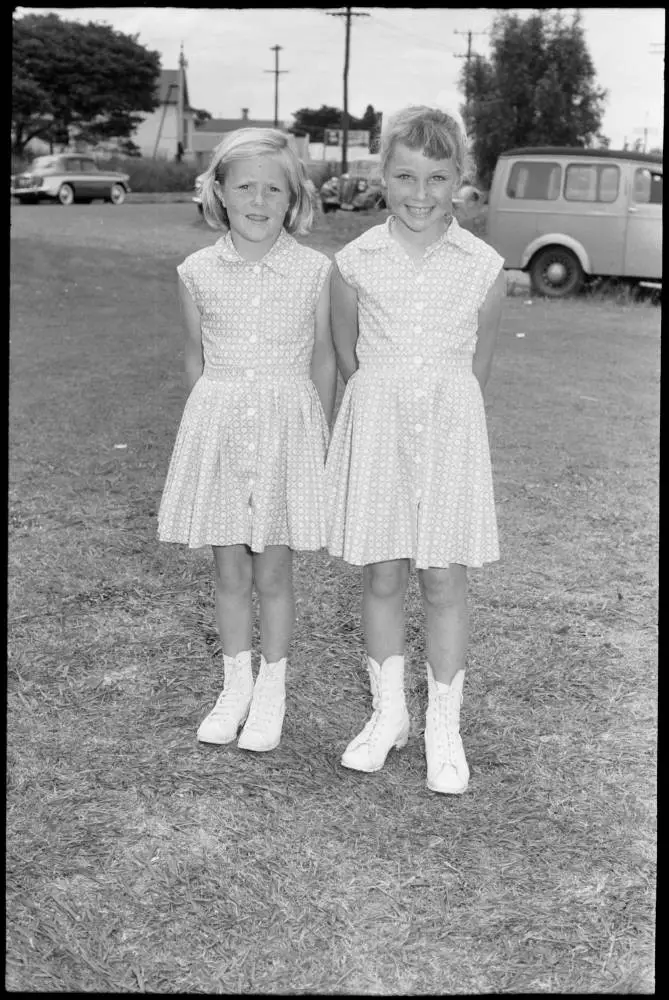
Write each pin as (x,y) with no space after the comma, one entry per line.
(265,703)
(447,729)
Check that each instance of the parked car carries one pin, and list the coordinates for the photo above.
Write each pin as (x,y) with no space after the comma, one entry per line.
(69,177)
(329,194)
(569,215)
(361,188)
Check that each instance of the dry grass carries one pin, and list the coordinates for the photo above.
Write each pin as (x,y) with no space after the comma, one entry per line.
(139,861)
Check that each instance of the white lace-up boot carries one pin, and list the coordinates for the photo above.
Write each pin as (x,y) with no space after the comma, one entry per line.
(447,769)
(389,724)
(268,707)
(232,707)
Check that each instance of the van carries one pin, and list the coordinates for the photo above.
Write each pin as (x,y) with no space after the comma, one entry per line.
(568,215)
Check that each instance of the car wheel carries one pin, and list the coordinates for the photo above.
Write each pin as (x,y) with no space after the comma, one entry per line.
(66,194)
(117,194)
(556,272)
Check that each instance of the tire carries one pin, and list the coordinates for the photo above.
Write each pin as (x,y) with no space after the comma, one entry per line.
(117,194)
(66,194)
(555,273)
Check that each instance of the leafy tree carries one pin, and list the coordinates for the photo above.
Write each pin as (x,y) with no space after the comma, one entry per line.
(537,88)
(316,121)
(85,81)
(201,116)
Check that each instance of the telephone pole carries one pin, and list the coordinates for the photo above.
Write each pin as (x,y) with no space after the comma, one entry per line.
(277,72)
(468,57)
(348,14)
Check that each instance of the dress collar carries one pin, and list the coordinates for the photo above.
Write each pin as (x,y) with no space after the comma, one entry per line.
(380,238)
(279,256)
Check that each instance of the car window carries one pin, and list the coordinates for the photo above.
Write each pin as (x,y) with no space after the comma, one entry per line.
(591,182)
(534,181)
(88,165)
(647,187)
(44,163)
(72,164)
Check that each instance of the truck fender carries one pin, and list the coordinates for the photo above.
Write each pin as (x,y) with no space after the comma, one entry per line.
(555,239)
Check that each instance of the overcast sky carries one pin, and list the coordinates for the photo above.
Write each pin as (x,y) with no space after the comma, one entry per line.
(399,55)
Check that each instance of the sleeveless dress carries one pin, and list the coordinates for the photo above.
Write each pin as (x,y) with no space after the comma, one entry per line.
(408,471)
(248,461)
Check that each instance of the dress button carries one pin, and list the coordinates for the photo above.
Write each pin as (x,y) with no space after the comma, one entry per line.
(419,494)
(252,446)
(256,269)
(255,301)
(420,305)
(250,373)
(252,338)
(419,329)
(419,279)
(417,359)
(250,412)
(418,428)
(420,393)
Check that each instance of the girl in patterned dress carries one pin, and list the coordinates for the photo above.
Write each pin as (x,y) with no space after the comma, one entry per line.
(246,473)
(416,306)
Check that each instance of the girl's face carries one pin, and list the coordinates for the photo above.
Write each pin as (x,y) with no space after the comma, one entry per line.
(420,192)
(256,195)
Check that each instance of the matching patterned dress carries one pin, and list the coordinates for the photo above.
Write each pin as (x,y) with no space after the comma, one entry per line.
(247,465)
(408,470)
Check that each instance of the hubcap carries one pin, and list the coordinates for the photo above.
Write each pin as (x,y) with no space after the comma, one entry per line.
(556,273)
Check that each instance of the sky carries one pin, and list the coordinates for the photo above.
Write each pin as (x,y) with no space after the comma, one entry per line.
(398,55)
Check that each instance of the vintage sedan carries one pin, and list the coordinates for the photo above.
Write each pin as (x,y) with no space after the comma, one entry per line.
(69,177)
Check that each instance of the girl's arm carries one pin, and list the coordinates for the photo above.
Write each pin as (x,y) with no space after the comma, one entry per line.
(344,313)
(194,358)
(323,361)
(490,315)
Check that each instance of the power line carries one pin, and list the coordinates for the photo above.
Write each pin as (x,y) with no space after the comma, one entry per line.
(277,72)
(467,56)
(348,14)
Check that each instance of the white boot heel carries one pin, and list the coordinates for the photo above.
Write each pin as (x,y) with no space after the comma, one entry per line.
(447,769)
(389,725)
(262,731)
(232,706)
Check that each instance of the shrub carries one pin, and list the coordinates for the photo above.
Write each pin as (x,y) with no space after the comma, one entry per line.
(147,175)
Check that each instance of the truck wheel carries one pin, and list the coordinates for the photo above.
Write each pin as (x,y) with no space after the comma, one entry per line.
(556,272)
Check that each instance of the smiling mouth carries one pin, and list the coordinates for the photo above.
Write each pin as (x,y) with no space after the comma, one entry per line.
(420,213)
(258,218)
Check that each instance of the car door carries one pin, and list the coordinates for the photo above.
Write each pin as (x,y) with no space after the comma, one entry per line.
(643,240)
(92,179)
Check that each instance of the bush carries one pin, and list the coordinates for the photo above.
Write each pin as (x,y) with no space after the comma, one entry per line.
(155,176)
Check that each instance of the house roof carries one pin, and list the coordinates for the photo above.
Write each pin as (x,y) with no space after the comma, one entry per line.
(221,125)
(167,87)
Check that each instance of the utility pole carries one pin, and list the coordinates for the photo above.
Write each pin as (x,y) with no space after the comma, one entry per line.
(181,143)
(348,14)
(468,57)
(277,72)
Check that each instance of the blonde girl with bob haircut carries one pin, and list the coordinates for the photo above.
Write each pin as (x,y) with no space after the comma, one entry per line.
(416,308)
(246,473)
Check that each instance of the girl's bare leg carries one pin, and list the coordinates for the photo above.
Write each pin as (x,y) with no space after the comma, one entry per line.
(444,593)
(384,591)
(273,579)
(234,576)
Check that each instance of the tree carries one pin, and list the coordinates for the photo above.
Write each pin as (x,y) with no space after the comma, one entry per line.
(201,116)
(84,81)
(313,121)
(537,88)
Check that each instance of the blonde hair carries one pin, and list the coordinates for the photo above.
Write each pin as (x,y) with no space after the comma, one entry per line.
(440,135)
(245,142)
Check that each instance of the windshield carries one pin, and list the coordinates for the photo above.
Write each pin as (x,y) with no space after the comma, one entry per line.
(43,162)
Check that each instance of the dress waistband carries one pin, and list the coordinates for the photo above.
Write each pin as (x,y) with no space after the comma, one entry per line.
(254,373)
(417,363)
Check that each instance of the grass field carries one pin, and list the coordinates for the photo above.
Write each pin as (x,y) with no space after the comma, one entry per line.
(140,861)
